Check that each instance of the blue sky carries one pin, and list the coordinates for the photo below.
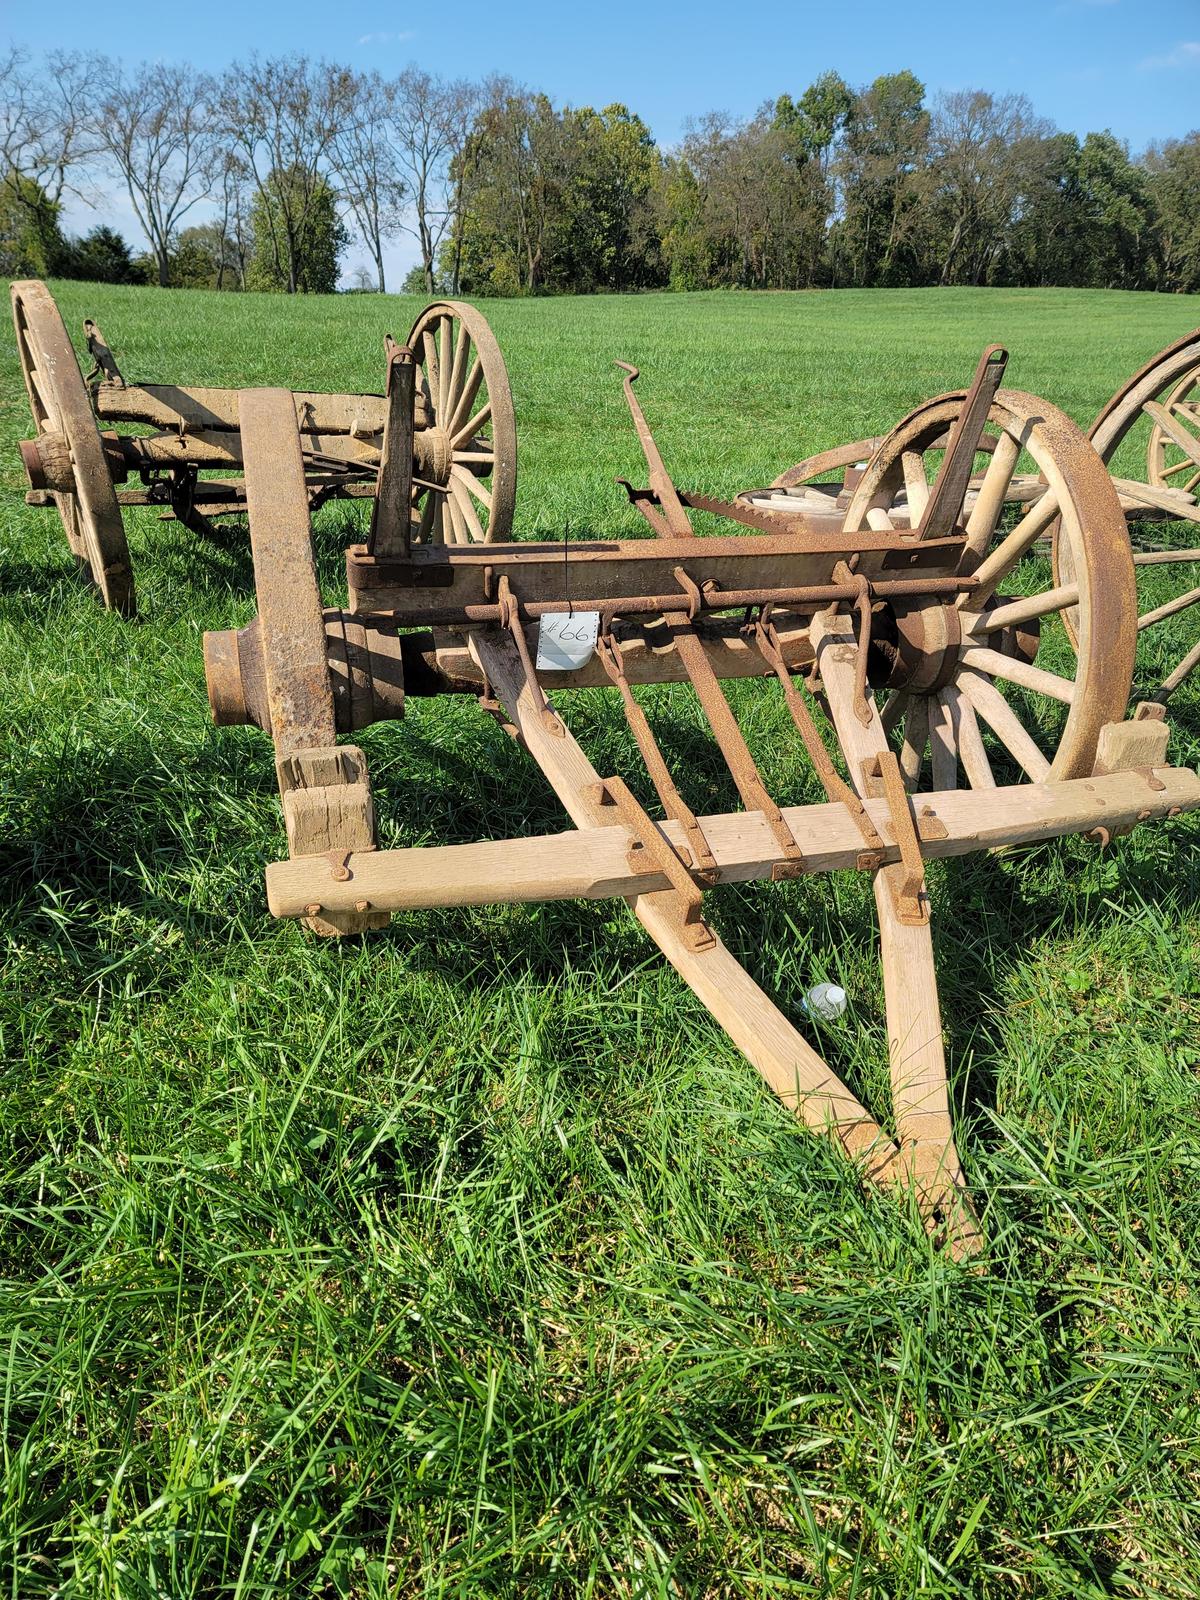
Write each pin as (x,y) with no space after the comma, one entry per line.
(1129,65)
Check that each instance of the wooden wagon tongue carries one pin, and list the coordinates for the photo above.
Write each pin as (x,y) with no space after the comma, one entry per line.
(846,599)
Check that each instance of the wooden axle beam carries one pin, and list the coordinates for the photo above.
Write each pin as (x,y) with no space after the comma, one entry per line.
(594,863)
(167,405)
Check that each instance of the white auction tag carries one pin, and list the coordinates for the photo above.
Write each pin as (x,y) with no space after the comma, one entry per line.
(566,639)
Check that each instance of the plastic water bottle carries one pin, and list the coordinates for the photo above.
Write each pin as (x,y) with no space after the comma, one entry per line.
(826,1002)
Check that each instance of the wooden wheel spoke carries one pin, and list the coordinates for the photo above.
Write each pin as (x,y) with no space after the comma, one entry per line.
(445,363)
(1181,602)
(1170,425)
(471,429)
(462,354)
(916,737)
(1014,669)
(425,527)
(432,385)
(916,485)
(464,512)
(971,750)
(438,524)
(993,491)
(1026,607)
(893,710)
(472,485)
(995,710)
(466,398)
(943,744)
(1000,561)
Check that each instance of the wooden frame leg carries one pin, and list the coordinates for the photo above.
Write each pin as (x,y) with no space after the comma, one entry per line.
(793,1069)
(920,1095)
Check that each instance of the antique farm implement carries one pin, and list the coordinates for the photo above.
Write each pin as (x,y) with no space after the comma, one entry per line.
(1154,417)
(187,456)
(913,634)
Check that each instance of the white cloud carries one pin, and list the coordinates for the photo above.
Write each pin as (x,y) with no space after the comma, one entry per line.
(1185,54)
(385,38)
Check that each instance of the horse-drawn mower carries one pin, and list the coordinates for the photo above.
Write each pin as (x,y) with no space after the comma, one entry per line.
(972,706)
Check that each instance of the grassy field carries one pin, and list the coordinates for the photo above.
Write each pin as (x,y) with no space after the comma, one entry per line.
(472,1259)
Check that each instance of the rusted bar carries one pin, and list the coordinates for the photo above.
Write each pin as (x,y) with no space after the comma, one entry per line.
(669,796)
(814,596)
(946,497)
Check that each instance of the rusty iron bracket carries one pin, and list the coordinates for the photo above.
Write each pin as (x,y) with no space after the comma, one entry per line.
(843,572)
(882,776)
(100,353)
(703,862)
(510,618)
(665,491)
(950,486)
(835,786)
(652,843)
(339,861)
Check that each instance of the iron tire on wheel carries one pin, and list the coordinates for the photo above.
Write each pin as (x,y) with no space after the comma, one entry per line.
(58,398)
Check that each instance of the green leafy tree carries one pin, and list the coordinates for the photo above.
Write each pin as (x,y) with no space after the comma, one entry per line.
(31,238)
(311,265)
(884,152)
(1119,213)
(1174,180)
(103,256)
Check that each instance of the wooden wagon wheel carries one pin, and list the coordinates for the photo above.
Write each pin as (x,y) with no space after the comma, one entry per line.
(1149,393)
(809,487)
(58,398)
(465,478)
(993,677)
(1172,461)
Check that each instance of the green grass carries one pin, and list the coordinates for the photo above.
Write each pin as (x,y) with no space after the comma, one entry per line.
(472,1259)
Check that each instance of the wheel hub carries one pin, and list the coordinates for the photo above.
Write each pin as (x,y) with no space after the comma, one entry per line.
(434,452)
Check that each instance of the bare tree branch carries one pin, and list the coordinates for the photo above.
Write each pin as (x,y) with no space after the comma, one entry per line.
(156,128)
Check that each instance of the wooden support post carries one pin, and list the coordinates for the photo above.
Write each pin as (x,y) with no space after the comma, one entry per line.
(918,1065)
(391,514)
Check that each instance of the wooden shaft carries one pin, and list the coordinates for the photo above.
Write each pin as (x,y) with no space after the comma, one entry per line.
(760,1030)
(920,1096)
(166,405)
(225,450)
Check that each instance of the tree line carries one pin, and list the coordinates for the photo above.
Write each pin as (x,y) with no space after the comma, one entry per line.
(505,193)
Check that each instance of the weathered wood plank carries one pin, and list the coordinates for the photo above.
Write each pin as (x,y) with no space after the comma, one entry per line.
(593,863)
